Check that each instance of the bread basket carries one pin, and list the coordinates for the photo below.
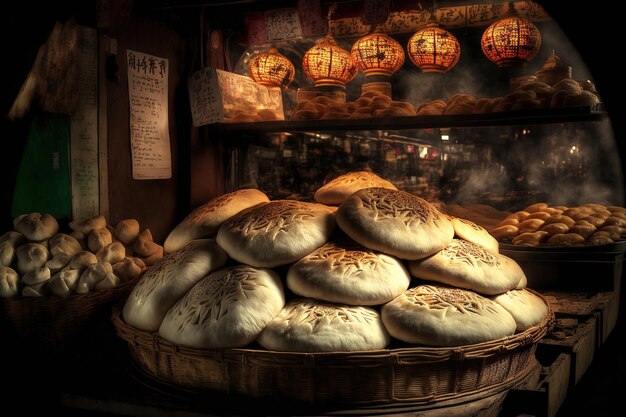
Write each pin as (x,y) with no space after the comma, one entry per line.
(417,375)
(52,323)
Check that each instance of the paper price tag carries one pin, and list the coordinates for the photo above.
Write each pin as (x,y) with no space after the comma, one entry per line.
(205,98)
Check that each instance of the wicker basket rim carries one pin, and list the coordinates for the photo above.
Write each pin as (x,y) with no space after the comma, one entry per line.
(490,348)
(73,297)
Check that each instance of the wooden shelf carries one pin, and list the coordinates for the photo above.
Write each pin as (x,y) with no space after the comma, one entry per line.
(510,118)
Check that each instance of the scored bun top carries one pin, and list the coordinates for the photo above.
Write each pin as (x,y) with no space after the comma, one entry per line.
(527,309)
(228,308)
(36,226)
(394,222)
(467,265)
(348,273)
(337,190)
(205,220)
(168,280)
(308,325)
(276,233)
(444,316)
(470,231)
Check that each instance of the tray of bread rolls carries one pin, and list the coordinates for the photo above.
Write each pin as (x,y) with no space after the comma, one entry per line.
(369,295)
(561,247)
(54,282)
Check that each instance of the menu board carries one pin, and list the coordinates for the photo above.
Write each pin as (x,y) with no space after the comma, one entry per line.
(149,116)
(204,97)
(282,24)
(84,130)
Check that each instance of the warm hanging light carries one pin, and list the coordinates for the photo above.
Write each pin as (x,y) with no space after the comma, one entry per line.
(511,41)
(271,69)
(328,64)
(378,54)
(434,49)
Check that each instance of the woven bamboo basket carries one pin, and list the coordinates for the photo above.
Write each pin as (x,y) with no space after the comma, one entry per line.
(416,375)
(51,323)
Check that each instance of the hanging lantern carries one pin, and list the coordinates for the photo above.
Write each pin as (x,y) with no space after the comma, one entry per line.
(328,64)
(271,69)
(378,54)
(511,41)
(434,49)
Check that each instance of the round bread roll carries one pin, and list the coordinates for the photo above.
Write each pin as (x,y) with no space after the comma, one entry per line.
(308,325)
(228,308)
(36,276)
(7,253)
(541,215)
(506,232)
(36,227)
(65,282)
(86,226)
(110,280)
(470,231)
(560,218)
(509,222)
(205,220)
(276,233)
(443,316)
(585,230)
(92,275)
(530,225)
(58,262)
(62,243)
(565,239)
(466,265)
(126,269)
(536,207)
(555,228)
(126,231)
(597,240)
(111,253)
(339,189)
(13,238)
(82,260)
(578,213)
(98,239)
(527,309)
(168,280)
(519,215)
(394,222)
(31,256)
(530,238)
(9,282)
(38,290)
(348,274)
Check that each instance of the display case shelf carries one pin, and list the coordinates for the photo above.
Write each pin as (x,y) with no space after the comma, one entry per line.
(509,118)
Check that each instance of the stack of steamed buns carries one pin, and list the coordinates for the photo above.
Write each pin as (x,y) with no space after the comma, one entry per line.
(364,264)
(36,259)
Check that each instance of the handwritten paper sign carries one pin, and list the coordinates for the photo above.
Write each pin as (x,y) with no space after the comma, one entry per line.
(149,124)
(375,11)
(84,130)
(241,93)
(311,20)
(205,98)
(282,24)
(255,28)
